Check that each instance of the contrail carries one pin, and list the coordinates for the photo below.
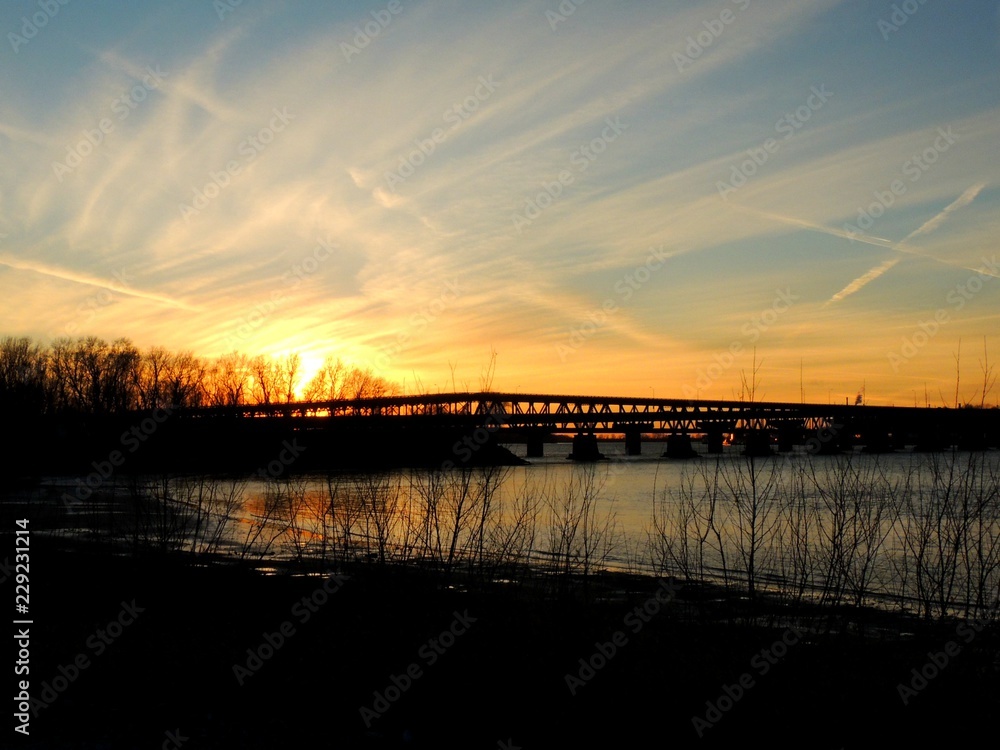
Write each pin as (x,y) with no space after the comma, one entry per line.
(901,247)
(926,228)
(863,280)
(961,202)
(802,224)
(79,278)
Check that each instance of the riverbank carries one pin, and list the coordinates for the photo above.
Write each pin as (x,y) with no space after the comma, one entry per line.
(378,656)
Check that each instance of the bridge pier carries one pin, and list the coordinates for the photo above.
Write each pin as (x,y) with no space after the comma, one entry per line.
(878,441)
(757,443)
(534,442)
(787,436)
(974,441)
(679,446)
(585,448)
(931,441)
(535,447)
(714,439)
(830,440)
(633,443)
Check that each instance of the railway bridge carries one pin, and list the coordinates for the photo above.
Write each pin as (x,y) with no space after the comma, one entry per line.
(533,419)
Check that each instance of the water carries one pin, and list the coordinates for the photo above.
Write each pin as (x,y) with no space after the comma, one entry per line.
(914,531)
(921,530)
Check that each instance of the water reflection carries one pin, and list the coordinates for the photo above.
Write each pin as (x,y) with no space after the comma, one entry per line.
(919,532)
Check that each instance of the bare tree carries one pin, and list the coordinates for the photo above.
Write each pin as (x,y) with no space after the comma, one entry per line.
(513,533)
(23,369)
(328,382)
(185,380)
(288,376)
(152,378)
(581,537)
(268,521)
(378,494)
(265,376)
(752,487)
(229,380)
(989,379)
(689,527)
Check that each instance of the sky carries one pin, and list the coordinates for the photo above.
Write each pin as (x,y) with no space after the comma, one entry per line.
(637,199)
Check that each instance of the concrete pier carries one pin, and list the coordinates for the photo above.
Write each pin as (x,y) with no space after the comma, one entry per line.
(757,443)
(585,448)
(679,446)
(714,440)
(633,443)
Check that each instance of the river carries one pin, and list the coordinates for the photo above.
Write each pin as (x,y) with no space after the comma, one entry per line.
(913,531)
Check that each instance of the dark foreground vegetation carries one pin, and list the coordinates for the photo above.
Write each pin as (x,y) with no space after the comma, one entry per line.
(226,656)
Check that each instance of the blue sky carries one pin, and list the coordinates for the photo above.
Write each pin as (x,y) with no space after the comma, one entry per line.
(615,198)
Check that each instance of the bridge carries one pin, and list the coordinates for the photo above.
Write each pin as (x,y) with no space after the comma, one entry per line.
(534,418)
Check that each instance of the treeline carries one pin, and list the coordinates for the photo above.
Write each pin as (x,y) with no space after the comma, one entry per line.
(89,375)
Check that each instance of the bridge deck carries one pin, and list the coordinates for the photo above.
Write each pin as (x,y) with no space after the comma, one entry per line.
(556,413)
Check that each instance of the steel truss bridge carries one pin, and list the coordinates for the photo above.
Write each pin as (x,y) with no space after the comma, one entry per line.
(518,417)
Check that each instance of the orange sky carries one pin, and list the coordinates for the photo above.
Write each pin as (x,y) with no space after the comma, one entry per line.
(615,201)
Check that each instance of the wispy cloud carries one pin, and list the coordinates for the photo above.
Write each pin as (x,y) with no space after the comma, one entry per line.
(264,197)
(82,278)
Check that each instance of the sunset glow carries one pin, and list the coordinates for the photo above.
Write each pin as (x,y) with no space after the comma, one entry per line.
(630,199)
